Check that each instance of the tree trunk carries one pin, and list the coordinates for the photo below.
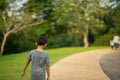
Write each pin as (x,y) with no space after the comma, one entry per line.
(3,43)
(85,40)
(85,34)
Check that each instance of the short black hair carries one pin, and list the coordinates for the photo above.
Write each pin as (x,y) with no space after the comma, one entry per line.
(41,40)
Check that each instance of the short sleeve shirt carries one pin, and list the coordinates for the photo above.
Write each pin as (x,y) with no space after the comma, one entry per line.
(39,60)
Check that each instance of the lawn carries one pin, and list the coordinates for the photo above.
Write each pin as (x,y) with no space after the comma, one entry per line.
(12,65)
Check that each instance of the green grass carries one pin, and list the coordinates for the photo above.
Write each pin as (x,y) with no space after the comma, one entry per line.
(12,65)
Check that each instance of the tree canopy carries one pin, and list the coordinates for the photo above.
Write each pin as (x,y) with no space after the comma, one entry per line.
(63,22)
(80,15)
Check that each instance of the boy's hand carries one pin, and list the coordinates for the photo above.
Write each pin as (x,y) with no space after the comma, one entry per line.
(22,74)
(48,78)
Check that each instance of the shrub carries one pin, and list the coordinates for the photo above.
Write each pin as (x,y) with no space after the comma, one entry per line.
(103,40)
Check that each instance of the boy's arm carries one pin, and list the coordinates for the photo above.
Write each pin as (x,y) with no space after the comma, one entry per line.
(48,72)
(26,65)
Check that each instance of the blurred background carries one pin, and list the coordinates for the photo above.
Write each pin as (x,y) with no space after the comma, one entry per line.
(63,22)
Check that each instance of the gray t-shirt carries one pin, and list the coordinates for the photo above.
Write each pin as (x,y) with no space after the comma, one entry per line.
(39,59)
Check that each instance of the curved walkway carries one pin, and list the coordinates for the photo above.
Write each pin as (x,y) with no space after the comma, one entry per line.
(83,66)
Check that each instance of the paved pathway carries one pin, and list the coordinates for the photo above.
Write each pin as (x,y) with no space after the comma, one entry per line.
(83,66)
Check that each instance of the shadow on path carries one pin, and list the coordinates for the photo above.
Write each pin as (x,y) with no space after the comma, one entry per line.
(110,64)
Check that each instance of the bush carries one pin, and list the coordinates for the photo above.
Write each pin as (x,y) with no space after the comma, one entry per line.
(103,40)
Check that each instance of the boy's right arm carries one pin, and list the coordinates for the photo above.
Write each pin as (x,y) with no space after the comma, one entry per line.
(26,65)
(48,72)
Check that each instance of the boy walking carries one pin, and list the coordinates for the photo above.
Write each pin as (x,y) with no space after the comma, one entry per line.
(40,61)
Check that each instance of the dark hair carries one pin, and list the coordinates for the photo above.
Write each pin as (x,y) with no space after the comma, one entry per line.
(41,40)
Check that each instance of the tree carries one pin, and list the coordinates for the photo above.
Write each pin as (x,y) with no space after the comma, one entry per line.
(80,15)
(15,18)
(112,18)
(114,14)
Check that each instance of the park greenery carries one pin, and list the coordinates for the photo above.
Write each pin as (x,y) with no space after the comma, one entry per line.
(12,65)
(63,22)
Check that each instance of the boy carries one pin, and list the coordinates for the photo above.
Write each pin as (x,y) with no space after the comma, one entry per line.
(40,61)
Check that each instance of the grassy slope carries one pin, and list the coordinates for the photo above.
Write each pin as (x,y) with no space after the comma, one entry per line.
(11,66)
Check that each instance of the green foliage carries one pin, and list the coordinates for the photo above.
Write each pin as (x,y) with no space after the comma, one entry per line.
(78,13)
(80,16)
(103,40)
(112,17)
(69,18)
(39,8)
(2,5)
(2,8)
(21,17)
(115,15)
(111,20)
(25,40)
(18,43)
(11,66)
(1,36)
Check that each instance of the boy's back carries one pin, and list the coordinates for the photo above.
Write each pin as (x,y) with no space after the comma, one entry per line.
(39,59)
